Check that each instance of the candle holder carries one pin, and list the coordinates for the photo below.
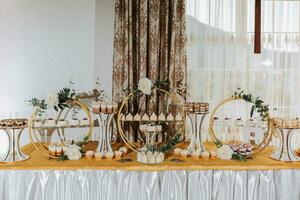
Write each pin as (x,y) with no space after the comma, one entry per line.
(14,153)
(196,112)
(284,151)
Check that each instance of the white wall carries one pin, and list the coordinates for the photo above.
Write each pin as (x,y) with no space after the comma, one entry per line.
(43,43)
(104,28)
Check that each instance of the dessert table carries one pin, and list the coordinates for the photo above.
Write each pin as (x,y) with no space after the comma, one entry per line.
(40,178)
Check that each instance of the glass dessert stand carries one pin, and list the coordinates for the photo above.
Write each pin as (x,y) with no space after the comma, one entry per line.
(284,151)
(105,112)
(196,113)
(14,153)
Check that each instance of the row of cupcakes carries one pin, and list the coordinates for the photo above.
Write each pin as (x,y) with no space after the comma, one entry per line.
(150,128)
(104,107)
(150,157)
(50,122)
(152,117)
(286,123)
(58,149)
(109,155)
(6,123)
(196,107)
(205,155)
(227,121)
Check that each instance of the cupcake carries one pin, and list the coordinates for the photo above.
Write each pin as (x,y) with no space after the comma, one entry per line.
(184,154)
(52,150)
(103,107)
(62,123)
(137,117)
(143,127)
(170,117)
(153,117)
(115,107)
(161,117)
(118,155)
(99,155)
(95,106)
(195,155)
(109,155)
(205,155)
(129,117)
(74,122)
(109,108)
(89,155)
(145,117)
(178,117)
(124,150)
(177,151)
(84,122)
(38,123)
(160,157)
(50,122)
(59,151)
(144,158)
(139,156)
(152,159)
(213,155)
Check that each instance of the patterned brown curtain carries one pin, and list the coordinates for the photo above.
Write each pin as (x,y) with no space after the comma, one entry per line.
(149,41)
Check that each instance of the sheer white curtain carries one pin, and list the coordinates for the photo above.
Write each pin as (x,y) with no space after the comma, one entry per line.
(221,58)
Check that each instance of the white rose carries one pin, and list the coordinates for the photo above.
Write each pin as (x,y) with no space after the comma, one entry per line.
(224,152)
(145,85)
(73,152)
(52,99)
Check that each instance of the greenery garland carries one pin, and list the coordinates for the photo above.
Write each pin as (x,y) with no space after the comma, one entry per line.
(259,106)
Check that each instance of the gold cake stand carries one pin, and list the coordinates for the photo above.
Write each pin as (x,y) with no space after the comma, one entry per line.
(256,149)
(36,133)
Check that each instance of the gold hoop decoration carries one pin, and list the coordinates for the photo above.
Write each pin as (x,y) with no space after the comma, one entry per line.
(131,145)
(40,146)
(257,149)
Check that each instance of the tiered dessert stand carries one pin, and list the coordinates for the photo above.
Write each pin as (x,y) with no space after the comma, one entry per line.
(287,129)
(14,131)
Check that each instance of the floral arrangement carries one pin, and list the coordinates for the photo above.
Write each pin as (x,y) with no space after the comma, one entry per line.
(56,100)
(60,99)
(146,86)
(241,152)
(74,151)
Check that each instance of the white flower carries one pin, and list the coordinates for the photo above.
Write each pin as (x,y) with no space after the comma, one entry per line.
(73,152)
(224,152)
(145,85)
(52,99)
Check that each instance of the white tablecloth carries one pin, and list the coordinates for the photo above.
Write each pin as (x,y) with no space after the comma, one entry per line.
(164,185)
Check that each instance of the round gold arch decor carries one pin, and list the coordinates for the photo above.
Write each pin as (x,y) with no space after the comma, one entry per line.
(258,107)
(64,110)
(158,87)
